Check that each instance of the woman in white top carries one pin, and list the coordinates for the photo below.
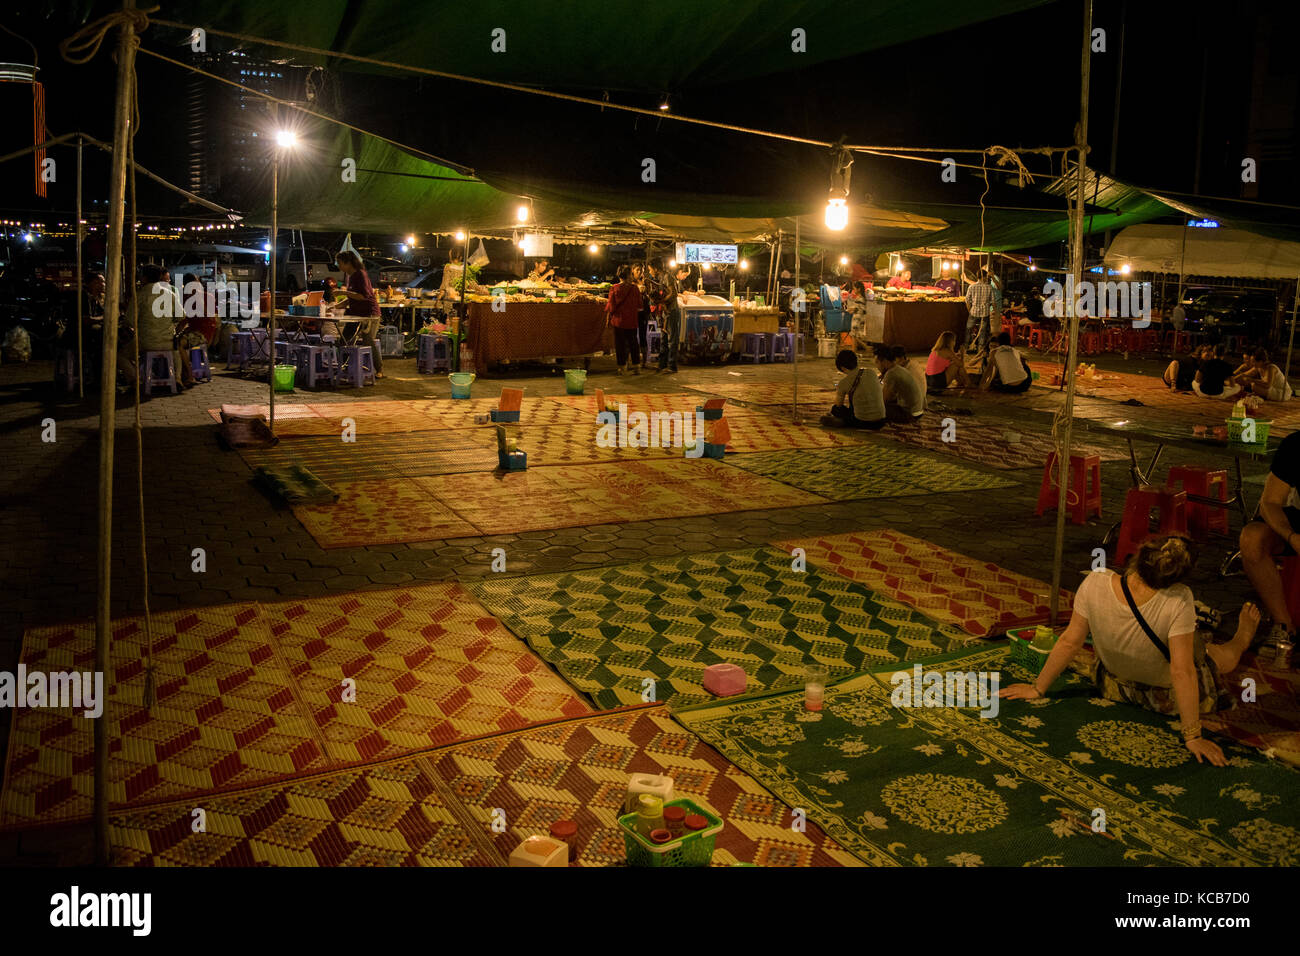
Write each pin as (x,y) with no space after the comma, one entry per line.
(1170,671)
(1265,379)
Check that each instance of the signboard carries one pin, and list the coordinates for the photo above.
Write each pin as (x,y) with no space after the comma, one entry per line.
(698,253)
(538,244)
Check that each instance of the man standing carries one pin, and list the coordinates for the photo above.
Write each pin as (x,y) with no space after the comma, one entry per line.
(663,291)
(979,303)
(1276,533)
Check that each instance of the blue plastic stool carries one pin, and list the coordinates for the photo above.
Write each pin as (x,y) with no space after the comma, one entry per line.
(199,364)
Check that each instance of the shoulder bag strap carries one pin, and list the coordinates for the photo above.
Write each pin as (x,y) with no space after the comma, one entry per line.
(1132,605)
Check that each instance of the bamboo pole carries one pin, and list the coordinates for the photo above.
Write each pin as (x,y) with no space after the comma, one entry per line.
(275,228)
(794,346)
(81,363)
(123,117)
(1076,268)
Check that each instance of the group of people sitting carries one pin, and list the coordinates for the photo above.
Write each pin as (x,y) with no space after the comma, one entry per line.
(1207,373)
(863,399)
(1005,371)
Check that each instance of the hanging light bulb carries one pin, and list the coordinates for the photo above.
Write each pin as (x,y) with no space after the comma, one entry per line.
(837,210)
(410,240)
(593,248)
(663,104)
(837,214)
(521,214)
(460,235)
(1124,269)
(672,263)
(844,260)
(744,263)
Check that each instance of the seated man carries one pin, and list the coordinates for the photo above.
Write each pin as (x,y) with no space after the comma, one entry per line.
(904,395)
(912,368)
(1276,533)
(858,399)
(1008,371)
(157,313)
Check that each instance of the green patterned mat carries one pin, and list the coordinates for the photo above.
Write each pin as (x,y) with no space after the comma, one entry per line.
(607,630)
(941,786)
(867,471)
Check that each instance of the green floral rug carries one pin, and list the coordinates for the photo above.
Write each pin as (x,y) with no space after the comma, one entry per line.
(943,786)
(866,471)
(610,630)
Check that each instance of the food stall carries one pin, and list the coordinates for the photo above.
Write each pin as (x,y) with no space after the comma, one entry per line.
(912,318)
(753,317)
(706,327)
(533,320)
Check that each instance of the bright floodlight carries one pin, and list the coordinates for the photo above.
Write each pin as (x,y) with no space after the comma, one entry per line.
(837,214)
(672,263)
(403,247)
(410,240)
(844,260)
(522,213)
(1124,269)
(593,248)
(266,247)
(460,235)
(286,138)
(744,263)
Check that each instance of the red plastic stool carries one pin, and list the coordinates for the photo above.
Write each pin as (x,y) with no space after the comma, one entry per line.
(1090,343)
(1137,517)
(1084,495)
(1039,338)
(1202,519)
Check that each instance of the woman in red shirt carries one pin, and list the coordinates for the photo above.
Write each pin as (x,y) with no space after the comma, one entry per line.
(622,308)
(363,304)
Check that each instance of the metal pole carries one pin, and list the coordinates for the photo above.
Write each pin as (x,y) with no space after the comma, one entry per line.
(81,364)
(1076,268)
(275,226)
(798,325)
(107,409)
(1291,341)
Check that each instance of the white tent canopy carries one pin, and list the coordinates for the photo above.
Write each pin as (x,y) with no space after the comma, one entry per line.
(1208,252)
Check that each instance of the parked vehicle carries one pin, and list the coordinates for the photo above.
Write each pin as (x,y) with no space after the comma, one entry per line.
(385,272)
(1235,312)
(306,267)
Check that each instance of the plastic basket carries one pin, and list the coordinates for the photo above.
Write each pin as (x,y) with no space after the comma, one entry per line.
(284,377)
(692,849)
(1237,425)
(392,344)
(1022,653)
(574,380)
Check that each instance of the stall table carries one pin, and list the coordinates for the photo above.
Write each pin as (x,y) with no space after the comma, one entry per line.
(913,325)
(535,330)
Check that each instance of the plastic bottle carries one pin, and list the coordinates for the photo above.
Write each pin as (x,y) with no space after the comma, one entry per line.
(649,814)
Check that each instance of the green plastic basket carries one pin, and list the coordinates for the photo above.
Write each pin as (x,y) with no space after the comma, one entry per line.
(693,849)
(1236,425)
(1022,652)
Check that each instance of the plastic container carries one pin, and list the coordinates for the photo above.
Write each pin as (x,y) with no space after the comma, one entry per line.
(1237,425)
(284,377)
(574,380)
(513,461)
(714,451)
(710,414)
(691,849)
(649,814)
(675,820)
(497,415)
(460,383)
(1022,652)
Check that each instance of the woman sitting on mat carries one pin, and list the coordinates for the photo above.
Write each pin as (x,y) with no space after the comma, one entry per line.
(1214,377)
(1143,626)
(859,400)
(1180,373)
(944,367)
(1265,379)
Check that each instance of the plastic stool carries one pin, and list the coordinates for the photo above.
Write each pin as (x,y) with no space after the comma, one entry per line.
(1137,517)
(434,354)
(1202,519)
(1090,343)
(199,364)
(780,345)
(1084,495)
(316,362)
(755,348)
(356,366)
(148,365)
(1039,338)
(240,350)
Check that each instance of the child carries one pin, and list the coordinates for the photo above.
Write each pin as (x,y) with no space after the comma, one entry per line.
(859,402)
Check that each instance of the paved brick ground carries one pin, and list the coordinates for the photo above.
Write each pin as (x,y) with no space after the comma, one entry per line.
(198,495)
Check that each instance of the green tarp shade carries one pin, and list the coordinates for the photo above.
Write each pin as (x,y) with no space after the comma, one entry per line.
(394,191)
(592,44)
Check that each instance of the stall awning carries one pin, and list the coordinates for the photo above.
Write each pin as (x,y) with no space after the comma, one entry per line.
(1209,252)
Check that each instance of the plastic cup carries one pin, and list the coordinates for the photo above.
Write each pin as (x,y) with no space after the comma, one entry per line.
(814,687)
